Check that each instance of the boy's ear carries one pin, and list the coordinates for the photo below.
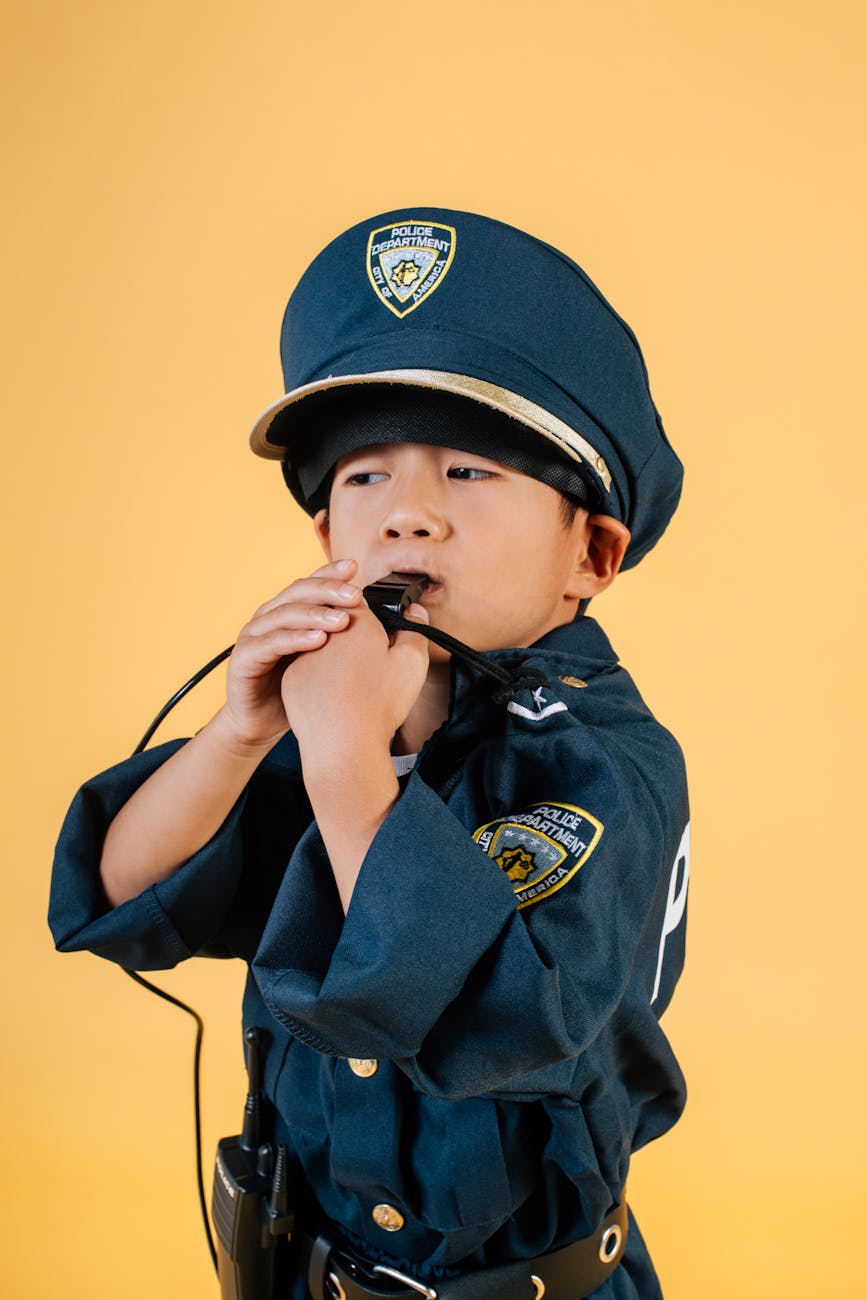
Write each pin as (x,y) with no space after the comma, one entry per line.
(322,529)
(598,561)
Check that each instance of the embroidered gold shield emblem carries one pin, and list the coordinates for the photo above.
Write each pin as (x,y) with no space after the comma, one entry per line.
(408,260)
(541,847)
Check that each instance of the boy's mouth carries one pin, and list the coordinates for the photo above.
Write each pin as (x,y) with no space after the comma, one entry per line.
(430,584)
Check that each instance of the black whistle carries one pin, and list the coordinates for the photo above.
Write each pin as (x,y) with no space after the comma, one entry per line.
(396,592)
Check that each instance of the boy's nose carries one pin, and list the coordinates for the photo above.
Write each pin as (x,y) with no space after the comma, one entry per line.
(414,514)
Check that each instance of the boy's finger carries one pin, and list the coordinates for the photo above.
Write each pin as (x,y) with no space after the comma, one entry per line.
(260,654)
(336,568)
(331,583)
(291,615)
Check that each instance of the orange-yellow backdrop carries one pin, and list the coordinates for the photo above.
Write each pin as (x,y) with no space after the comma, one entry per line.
(170,168)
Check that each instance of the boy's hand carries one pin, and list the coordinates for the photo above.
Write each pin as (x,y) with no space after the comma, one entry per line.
(346,702)
(357,690)
(183,804)
(298,620)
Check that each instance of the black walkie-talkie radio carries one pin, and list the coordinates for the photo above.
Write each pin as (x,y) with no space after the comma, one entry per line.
(251,1204)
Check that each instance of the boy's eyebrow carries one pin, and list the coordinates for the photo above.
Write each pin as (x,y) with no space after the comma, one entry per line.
(388,448)
(362,453)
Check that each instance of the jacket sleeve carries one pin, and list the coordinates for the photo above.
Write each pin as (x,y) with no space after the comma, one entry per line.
(165,923)
(437,966)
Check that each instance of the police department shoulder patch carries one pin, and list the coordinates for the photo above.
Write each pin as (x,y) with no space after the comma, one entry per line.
(408,260)
(541,848)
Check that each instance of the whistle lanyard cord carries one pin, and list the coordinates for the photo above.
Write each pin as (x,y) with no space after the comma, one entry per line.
(393,623)
(161,993)
(510,682)
(197,1101)
(397,623)
(179,695)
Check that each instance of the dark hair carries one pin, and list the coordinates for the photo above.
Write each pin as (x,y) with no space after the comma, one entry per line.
(569,507)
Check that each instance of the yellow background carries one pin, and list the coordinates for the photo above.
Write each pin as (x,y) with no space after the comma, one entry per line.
(170,169)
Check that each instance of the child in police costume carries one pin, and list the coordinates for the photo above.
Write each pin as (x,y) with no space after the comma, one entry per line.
(461,898)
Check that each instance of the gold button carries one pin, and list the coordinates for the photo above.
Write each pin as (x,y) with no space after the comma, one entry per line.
(364,1069)
(387,1217)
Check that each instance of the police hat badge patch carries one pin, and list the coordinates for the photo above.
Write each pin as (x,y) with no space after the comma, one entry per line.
(542,848)
(408,260)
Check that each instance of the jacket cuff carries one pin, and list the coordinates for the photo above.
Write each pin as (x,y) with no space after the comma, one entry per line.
(166,922)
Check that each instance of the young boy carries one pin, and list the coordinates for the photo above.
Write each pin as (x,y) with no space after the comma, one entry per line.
(462,900)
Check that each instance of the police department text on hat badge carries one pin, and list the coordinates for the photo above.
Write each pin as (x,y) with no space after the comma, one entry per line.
(408,260)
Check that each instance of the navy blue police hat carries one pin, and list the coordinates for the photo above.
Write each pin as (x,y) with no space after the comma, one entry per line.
(429,300)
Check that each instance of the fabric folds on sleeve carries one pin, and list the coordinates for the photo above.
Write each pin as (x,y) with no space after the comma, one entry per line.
(437,969)
(167,922)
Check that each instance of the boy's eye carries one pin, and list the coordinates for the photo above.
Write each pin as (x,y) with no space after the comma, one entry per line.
(361,477)
(469,472)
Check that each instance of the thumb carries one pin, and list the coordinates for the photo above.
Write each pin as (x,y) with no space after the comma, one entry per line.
(417,614)
(406,641)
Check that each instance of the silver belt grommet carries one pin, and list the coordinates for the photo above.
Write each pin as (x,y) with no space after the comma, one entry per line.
(427,1291)
(335,1287)
(609,1247)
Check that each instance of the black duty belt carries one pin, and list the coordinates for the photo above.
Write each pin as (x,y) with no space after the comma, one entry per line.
(338,1273)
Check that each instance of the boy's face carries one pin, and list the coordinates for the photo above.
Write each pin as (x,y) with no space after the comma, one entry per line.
(504,566)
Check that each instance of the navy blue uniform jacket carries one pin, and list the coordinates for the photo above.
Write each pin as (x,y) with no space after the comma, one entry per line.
(516,930)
